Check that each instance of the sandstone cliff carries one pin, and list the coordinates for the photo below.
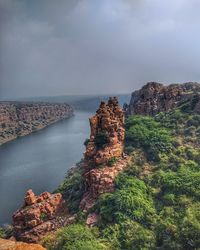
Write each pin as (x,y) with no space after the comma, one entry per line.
(104,157)
(155,97)
(19,119)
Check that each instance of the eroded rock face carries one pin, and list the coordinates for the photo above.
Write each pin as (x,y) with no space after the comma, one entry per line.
(102,163)
(39,215)
(15,245)
(19,118)
(155,97)
(108,123)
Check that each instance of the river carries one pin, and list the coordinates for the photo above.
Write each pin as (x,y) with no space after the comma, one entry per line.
(40,160)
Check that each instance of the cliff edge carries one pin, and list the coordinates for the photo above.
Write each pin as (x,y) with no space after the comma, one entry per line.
(154,98)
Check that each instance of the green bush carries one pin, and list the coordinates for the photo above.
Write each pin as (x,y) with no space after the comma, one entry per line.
(86,142)
(72,189)
(112,161)
(147,133)
(101,139)
(78,237)
(130,200)
(130,235)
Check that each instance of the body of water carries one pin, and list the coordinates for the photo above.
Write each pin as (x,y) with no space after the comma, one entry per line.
(39,161)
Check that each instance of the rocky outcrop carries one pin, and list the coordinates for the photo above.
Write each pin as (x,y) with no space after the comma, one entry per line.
(104,157)
(155,97)
(19,118)
(16,245)
(38,216)
(107,135)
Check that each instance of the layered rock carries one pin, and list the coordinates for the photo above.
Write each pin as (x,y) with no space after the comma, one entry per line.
(16,245)
(107,134)
(104,157)
(38,215)
(155,97)
(19,118)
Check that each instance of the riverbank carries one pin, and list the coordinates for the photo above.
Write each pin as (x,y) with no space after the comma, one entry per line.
(22,118)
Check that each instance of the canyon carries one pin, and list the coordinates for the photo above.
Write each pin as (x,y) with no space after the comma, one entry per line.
(154,98)
(22,118)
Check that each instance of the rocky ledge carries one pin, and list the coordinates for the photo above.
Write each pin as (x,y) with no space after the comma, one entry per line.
(155,97)
(39,215)
(104,156)
(16,245)
(19,118)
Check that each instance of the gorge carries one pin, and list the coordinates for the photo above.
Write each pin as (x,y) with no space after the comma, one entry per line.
(135,175)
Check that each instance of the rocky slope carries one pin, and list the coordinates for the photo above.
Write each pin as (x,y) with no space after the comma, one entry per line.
(155,97)
(19,118)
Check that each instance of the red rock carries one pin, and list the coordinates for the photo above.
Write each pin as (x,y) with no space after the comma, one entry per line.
(37,216)
(99,175)
(92,219)
(15,245)
(30,198)
(154,98)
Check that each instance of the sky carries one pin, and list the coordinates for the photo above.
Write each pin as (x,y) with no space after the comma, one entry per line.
(64,47)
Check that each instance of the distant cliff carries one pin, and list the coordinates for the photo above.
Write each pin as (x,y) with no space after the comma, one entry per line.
(22,118)
(155,97)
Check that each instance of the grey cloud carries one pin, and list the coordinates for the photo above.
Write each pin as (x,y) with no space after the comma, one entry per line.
(89,46)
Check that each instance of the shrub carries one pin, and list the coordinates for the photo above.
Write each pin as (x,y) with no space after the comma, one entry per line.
(130,200)
(147,133)
(72,189)
(6,232)
(130,235)
(101,139)
(77,237)
(112,161)
(86,142)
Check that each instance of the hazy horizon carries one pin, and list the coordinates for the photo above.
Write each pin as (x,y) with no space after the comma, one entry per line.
(91,47)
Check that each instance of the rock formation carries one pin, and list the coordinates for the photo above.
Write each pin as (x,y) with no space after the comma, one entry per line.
(104,157)
(16,245)
(154,97)
(107,134)
(38,215)
(19,118)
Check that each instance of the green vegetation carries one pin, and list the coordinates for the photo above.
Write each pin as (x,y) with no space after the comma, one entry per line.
(156,203)
(101,139)
(43,216)
(86,142)
(149,134)
(112,161)
(76,237)
(72,188)
(6,232)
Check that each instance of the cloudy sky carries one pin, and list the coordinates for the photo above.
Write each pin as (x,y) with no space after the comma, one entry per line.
(62,47)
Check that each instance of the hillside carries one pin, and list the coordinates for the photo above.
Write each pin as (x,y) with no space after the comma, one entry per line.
(22,118)
(155,203)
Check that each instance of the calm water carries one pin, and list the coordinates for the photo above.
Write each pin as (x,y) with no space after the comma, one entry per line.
(39,161)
